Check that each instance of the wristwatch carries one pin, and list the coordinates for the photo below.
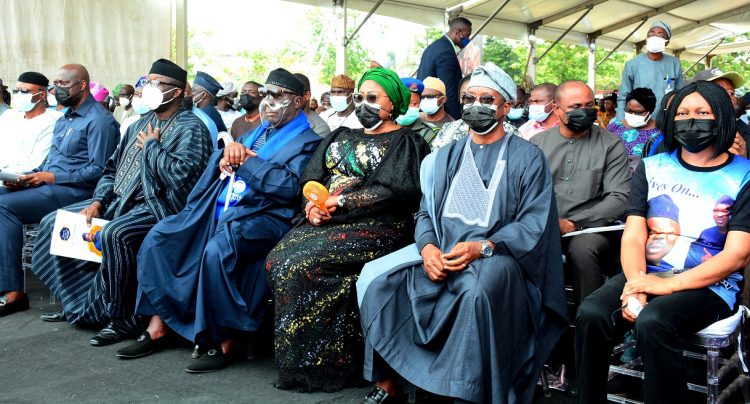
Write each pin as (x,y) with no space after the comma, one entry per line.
(487,250)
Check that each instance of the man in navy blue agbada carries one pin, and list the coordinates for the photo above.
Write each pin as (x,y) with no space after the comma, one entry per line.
(205,88)
(440,60)
(82,141)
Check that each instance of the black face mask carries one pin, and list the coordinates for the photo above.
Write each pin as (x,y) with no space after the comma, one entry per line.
(247,101)
(480,119)
(581,119)
(63,97)
(694,135)
(368,116)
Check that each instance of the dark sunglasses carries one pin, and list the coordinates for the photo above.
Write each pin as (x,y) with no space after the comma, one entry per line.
(485,100)
(276,95)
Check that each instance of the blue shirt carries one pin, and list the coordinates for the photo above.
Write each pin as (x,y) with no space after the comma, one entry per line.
(82,142)
(212,129)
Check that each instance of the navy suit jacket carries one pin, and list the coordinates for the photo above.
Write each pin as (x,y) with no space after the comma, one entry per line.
(440,60)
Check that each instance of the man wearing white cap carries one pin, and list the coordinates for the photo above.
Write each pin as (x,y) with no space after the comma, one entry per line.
(653,69)
(730,81)
(433,103)
(225,103)
(483,282)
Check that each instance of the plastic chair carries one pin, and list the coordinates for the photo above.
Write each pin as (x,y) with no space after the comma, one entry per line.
(29,239)
(716,366)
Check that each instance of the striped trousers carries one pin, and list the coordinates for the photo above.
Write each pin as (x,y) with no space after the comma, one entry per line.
(91,294)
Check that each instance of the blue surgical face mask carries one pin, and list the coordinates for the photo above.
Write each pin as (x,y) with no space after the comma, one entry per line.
(464,42)
(538,113)
(409,117)
(139,106)
(515,113)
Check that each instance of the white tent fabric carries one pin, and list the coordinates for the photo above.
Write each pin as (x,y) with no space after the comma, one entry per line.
(695,23)
(115,40)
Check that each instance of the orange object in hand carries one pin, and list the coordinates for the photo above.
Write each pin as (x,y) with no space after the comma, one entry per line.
(316,193)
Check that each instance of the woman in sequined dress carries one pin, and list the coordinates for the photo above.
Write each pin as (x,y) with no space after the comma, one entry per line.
(373,178)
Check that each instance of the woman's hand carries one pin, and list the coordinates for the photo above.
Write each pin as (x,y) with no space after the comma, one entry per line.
(433,263)
(461,255)
(739,147)
(626,313)
(317,216)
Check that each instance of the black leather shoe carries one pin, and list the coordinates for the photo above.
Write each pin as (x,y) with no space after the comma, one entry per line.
(115,332)
(379,396)
(53,317)
(210,361)
(17,305)
(143,346)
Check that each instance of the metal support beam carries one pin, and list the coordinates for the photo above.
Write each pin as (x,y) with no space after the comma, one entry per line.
(701,58)
(592,63)
(367,17)
(340,10)
(181,32)
(710,20)
(454,11)
(530,64)
(564,33)
(641,17)
(490,18)
(568,12)
(621,42)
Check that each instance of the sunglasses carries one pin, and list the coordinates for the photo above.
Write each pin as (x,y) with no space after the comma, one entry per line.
(156,83)
(20,91)
(485,100)
(371,98)
(276,95)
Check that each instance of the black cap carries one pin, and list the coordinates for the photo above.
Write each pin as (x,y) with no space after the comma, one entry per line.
(282,78)
(169,69)
(33,78)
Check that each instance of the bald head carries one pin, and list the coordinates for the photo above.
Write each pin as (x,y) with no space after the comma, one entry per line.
(76,72)
(570,88)
(72,85)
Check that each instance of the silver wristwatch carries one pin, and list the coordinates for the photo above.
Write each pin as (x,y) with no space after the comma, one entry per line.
(487,250)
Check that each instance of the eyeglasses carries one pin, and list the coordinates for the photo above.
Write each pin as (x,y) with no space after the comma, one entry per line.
(485,100)
(371,98)
(276,95)
(20,91)
(156,83)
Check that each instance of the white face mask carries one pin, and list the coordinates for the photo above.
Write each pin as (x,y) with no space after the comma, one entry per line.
(537,112)
(124,101)
(51,100)
(22,101)
(429,106)
(636,121)
(655,44)
(339,102)
(152,97)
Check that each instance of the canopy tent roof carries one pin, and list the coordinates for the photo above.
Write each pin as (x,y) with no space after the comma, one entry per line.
(697,25)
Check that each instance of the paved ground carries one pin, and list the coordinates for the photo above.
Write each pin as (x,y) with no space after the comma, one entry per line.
(53,362)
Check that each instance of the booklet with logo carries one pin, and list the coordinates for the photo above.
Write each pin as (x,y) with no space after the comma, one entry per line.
(73,238)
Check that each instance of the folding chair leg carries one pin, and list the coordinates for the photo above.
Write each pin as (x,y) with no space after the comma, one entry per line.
(712,364)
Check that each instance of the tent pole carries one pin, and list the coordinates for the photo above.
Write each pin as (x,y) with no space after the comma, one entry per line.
(531,60)
(490,18)
(592,63)
(588,10)
(621,42)
(181,33)
(367,17)
(704,56)
(341,37)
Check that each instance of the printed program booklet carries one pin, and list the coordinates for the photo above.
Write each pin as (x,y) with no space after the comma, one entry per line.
(72,238)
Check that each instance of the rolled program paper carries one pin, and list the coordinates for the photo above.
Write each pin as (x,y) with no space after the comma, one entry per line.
(634,306)
(316,193)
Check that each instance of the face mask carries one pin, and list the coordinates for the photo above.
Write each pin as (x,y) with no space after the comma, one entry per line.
(139,107)
(23,101)
(369,115)
(655,44)
(51,100)
(124,101)
(429,106)
(247,101)
(694,135)
(62,94)
(480,119)
(537,112)
(339,102)
(153,97)
(464,42)
(199,98)
(515,113)
(636,121)
(409,117)
(187,103)
(266,106)
(581,119)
